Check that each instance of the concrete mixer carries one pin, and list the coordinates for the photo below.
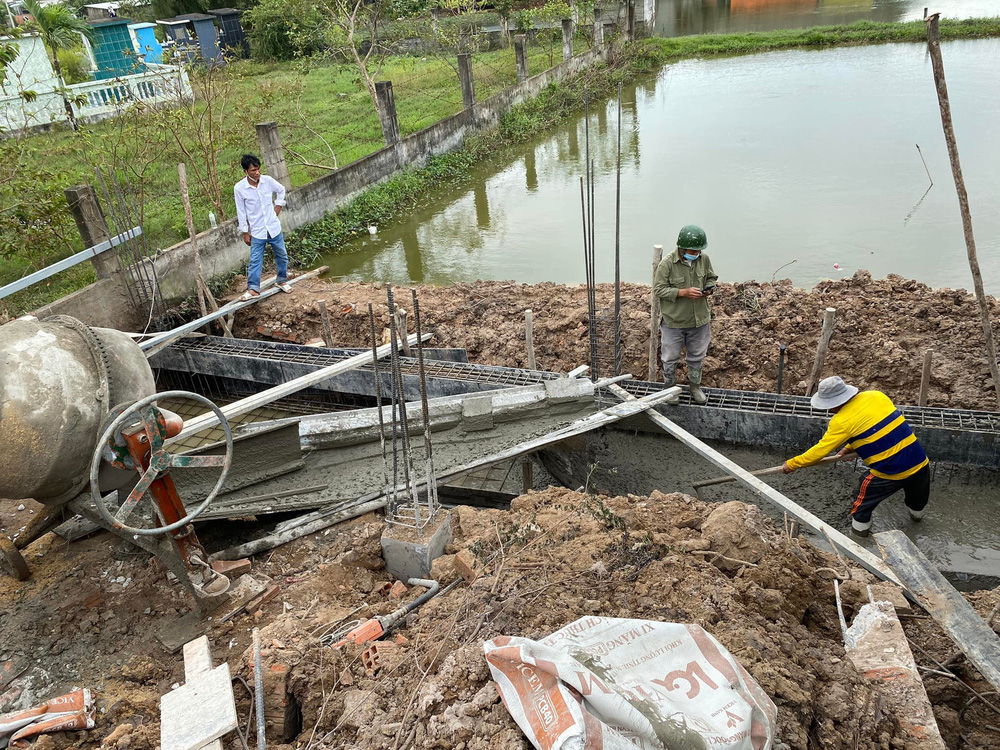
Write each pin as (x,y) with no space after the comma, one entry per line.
(79,428)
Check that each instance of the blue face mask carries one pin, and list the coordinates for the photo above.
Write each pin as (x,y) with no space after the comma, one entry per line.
(687,256)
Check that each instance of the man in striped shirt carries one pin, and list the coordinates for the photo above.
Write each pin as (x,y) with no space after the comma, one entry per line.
(869,424)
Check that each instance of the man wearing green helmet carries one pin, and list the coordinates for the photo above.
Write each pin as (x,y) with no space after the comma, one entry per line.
(683,282)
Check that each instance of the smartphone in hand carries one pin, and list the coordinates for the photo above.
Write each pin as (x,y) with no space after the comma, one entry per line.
(708,289)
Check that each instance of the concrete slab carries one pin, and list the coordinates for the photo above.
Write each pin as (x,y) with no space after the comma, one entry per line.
(566,389)
(477,413)
(198,712)
(408,557)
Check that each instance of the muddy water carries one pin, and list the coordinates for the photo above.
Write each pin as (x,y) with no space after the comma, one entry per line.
(682,17)
(960,532)
(793,162)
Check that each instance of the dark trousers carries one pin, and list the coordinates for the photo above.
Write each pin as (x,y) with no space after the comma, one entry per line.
(872,490)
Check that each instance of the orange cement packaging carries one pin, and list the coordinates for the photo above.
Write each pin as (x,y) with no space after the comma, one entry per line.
(611,684)
(71,712)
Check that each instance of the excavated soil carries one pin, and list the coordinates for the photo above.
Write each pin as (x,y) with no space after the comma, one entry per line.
(883,327)
(556,556)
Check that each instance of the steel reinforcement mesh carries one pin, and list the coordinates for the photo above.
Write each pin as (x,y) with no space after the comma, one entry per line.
(752,401)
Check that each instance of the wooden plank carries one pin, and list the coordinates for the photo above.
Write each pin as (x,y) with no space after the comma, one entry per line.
(196,425)
(161,340)
(62,265)
(852,549)
(948,607)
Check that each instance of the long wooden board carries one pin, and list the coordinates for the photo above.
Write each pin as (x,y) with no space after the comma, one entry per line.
(196,425)
(850,548)
(948,607)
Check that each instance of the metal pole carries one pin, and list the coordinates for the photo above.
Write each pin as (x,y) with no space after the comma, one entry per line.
(934,47)
(529,338)
(432,490)
(408,474)
(378,397)
(618,222)
(258,684)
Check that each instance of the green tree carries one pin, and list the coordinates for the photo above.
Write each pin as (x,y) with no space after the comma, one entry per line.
(59,29)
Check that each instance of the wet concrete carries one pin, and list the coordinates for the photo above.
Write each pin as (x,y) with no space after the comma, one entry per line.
(960,533)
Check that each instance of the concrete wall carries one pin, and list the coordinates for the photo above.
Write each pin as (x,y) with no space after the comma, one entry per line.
(222,249)
(30,71)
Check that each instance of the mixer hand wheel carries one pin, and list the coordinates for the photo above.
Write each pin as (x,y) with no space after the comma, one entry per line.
(143,414)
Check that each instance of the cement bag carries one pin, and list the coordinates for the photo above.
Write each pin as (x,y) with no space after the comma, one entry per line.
(610,683)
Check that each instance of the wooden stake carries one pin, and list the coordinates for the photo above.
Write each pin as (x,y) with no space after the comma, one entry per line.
(324,317)
(527,475)
(401,328)
(829,318)
(925,377)
(934,48)
(214,307)
(654,318)
(529,338)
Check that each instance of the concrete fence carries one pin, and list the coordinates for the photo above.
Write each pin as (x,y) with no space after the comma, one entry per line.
(222,250)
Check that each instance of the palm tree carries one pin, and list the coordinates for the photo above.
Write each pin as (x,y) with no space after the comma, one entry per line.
(59,29)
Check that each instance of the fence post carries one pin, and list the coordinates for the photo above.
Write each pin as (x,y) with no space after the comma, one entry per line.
(93,228)
(598,28)
(630,19)
(272,153)
(465,78)
(521,55)
(567,29)
(925,377)
(654,318)
(387,112)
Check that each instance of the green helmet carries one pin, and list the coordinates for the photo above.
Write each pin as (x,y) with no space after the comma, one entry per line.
(692,237)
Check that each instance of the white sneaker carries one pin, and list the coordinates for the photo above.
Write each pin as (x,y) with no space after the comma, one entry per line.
(861,528)
(916,515)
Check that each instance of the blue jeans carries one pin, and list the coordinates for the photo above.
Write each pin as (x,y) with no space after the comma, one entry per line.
(257,260)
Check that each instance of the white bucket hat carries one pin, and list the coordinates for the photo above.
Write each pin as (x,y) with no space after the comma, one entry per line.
(832,392)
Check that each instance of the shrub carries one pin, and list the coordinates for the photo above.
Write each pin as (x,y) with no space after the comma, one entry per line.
(284,29)
(75,64)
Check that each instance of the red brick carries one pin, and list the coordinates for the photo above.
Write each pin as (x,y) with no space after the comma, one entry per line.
(231,568)
(468,566)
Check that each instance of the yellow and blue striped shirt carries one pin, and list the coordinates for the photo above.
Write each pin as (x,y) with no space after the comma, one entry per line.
(872,426)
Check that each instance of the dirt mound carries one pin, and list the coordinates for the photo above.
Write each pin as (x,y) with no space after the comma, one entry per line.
(559,555)
(883,327)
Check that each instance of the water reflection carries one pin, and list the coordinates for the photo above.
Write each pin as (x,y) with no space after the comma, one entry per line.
(684,17)
(799,155)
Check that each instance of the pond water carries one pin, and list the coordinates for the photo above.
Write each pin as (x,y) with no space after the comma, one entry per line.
(792,161)
(683,17)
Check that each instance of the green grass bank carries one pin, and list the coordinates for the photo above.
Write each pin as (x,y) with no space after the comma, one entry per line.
(323,113)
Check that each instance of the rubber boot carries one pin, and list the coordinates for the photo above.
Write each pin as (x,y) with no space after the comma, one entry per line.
(670,380)
(861,528)
(916,515)
(694,379)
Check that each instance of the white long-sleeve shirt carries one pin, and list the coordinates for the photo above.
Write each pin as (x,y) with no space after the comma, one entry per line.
(255,206)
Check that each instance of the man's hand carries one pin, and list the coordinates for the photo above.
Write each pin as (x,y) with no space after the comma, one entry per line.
(844,451)
(246,237)
(786,469)
(277,210)
(691,292)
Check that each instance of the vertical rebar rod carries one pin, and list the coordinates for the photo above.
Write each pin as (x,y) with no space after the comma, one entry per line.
(781,365)
(378,398)
(594,368)
(258,683)
(408,476)
(618,234)
(432,492)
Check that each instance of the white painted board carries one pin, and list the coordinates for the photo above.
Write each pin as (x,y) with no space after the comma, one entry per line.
(199,711)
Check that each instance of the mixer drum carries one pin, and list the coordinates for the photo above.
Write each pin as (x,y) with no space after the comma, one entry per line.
(58,380)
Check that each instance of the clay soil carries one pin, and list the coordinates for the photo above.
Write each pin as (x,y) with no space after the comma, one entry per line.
(555,556)
(883,327)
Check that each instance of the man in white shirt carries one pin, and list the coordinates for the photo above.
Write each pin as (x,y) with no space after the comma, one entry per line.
(259,200)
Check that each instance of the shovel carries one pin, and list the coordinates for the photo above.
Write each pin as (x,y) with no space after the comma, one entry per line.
(771,470)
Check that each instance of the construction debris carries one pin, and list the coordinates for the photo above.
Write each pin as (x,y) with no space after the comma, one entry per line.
(877,646)
(203,709)
(67,713)
(977,640)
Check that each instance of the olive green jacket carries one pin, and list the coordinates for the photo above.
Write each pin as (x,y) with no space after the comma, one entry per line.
(674,274)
